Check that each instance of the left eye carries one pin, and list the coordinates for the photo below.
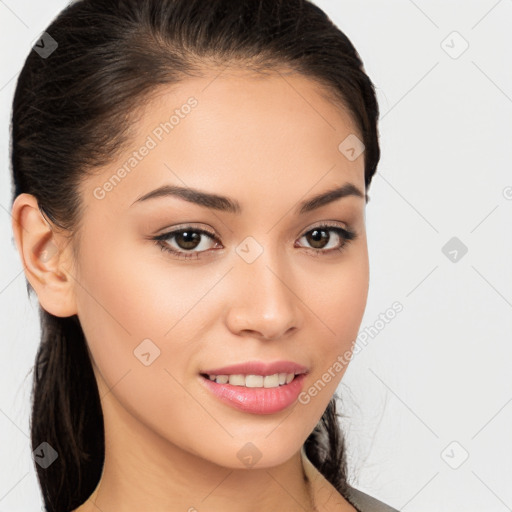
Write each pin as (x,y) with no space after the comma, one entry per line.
(319,238)
(189,244)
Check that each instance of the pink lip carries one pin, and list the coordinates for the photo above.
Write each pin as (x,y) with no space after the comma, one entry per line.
(257,400)
(258,368)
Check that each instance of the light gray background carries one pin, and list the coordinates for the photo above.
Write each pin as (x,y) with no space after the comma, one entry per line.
(439,371)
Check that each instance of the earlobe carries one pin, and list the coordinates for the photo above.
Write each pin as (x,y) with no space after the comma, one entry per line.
(45,255)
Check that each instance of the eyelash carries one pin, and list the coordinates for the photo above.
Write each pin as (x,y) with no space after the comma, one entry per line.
(346,235)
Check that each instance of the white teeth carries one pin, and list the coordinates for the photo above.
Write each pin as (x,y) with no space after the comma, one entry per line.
(237,380)
(271,381)
(254,381)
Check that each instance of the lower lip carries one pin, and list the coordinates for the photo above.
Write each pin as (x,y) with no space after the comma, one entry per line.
(257,400)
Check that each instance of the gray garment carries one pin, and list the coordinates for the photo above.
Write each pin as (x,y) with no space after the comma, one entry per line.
(366,503)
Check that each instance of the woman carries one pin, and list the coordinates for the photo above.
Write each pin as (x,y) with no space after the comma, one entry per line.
(190,188)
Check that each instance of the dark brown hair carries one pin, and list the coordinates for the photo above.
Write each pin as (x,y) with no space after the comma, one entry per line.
(70,117)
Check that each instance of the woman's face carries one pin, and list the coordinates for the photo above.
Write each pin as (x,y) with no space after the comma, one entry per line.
(255,279)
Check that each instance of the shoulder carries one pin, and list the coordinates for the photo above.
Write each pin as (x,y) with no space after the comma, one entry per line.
(366,503)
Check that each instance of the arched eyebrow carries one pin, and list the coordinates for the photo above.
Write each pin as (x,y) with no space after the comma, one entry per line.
(348,189)
(227,204)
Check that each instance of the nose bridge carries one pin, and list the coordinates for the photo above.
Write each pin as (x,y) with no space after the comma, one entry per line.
(263,300)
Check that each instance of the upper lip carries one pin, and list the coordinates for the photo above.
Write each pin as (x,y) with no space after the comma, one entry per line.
(258,368)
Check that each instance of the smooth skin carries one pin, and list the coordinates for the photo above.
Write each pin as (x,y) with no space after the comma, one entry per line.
(269,143)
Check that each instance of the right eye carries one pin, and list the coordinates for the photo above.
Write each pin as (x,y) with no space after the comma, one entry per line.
(186,240)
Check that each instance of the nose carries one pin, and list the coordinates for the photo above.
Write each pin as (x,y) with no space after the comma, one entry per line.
(263,302)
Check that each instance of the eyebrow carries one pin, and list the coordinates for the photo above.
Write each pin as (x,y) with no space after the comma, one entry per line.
(226,204)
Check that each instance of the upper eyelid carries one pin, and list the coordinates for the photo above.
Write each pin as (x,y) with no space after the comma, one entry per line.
(192,227)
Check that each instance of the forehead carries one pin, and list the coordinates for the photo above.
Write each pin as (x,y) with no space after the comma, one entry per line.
(234,129)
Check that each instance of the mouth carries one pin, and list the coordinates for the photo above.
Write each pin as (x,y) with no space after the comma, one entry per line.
(256,387)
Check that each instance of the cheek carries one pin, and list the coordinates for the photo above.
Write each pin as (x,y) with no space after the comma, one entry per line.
(337,296)
(338,301)
(128,307)
(132,290)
